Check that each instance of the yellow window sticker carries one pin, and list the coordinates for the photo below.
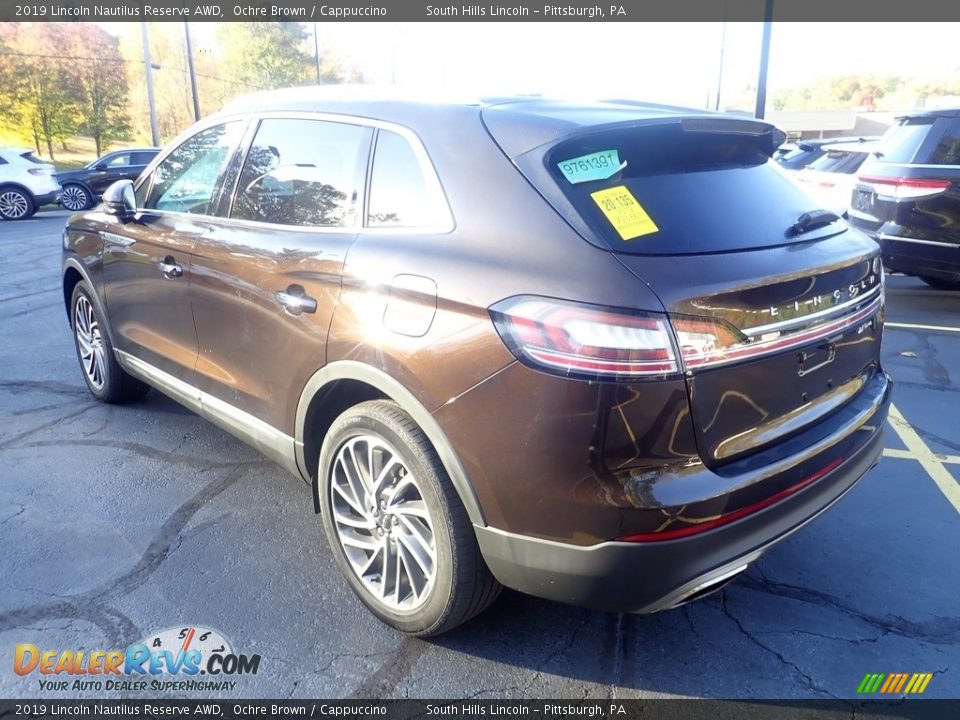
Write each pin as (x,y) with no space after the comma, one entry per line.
(624,212)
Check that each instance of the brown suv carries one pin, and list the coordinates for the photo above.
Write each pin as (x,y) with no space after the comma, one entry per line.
(605,354)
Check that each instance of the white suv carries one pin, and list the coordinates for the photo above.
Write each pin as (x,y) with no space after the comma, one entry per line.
(26,183)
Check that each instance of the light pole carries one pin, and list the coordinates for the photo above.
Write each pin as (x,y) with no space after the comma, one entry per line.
(764,60)
(148,67)
(316,52)
(193,72)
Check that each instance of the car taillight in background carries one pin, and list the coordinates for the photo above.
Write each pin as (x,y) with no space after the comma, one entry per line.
(39,171)
(901,188)
(571,339)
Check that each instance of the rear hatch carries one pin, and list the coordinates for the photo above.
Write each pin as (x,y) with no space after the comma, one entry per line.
(909,189)
(776,307)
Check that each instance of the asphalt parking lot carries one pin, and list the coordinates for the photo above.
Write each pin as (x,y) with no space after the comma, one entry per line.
(118,522)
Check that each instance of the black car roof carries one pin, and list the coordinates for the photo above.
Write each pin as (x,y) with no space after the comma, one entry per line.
(519,122)
(944,112)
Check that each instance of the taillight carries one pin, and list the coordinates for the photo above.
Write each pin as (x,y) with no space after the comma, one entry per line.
(572,339)
(901,188)
(38,171)
(705,341)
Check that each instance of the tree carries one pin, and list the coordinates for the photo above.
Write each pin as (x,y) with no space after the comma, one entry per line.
(48,90)
(103,82)
(266,55)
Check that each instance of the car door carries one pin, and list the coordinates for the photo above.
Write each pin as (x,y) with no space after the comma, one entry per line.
(265,276)
(146,260)
(107,171)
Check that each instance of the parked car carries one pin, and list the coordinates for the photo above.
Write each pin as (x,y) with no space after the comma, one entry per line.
(807,151)
(604,354)
(82,188)
(907,196)
(26,183)
(830,178)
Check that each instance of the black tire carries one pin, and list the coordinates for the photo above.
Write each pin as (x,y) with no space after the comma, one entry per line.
(462,586)
(16,204)
(76,195)
(940,284)
(107,382)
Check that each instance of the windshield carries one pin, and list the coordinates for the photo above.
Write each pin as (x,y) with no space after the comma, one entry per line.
(662,190)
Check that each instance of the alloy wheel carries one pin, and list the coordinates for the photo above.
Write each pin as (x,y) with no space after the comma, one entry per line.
(13,204)
(382,523)
(89,341)
(74,198)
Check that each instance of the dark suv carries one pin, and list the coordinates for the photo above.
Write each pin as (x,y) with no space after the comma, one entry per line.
(84,186)
(605,354)
(907,197)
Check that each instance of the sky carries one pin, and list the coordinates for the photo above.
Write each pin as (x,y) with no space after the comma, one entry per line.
(659,62)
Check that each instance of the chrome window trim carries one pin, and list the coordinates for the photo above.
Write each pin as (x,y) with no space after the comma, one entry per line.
(444,225)
(917,241)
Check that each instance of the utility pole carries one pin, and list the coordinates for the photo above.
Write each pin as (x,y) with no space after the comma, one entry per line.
(193,72)
(148,67)
(723,49)
(316,52)
(764,60)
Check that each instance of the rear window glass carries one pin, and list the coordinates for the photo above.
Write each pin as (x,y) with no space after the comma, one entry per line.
(901,142)
(800,158)
(30,157)
(701,191)
(839,161)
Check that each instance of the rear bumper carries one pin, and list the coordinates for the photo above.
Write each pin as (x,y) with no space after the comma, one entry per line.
(920,257)
(49,198)
(646,577)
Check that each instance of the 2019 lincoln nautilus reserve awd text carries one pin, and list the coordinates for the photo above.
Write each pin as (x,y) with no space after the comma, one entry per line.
(606,354)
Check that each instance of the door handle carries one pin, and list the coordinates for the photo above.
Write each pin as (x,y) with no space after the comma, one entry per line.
(296,301)
(171,268)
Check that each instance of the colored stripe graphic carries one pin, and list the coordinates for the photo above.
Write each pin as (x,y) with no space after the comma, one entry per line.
(894,683)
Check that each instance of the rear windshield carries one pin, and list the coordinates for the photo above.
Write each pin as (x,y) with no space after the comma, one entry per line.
(839,161)
(30,157)
(799,157)
(901,141)
(676,192)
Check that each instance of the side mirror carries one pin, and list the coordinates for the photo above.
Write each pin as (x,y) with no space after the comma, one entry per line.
(120,200)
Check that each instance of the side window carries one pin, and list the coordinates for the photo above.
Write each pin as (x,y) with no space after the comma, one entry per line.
(3,162)
(301,172)
(121,160)
(185,180)
(141,158)
(947,151)
(399,193)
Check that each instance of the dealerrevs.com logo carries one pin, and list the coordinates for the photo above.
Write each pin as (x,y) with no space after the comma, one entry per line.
(176,659)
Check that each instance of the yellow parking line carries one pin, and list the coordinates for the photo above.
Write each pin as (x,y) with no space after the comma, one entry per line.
(912,326)
(935,457)
(935,469)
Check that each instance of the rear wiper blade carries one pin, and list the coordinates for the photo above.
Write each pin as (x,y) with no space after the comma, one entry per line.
(811,221)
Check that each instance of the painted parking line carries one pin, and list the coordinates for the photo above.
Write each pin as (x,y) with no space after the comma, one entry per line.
(934,457)
(917,450)
(913,326)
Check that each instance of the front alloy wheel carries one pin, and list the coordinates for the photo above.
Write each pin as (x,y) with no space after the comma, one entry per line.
(382,522)
(89,342)
(75,198)
(106,380)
